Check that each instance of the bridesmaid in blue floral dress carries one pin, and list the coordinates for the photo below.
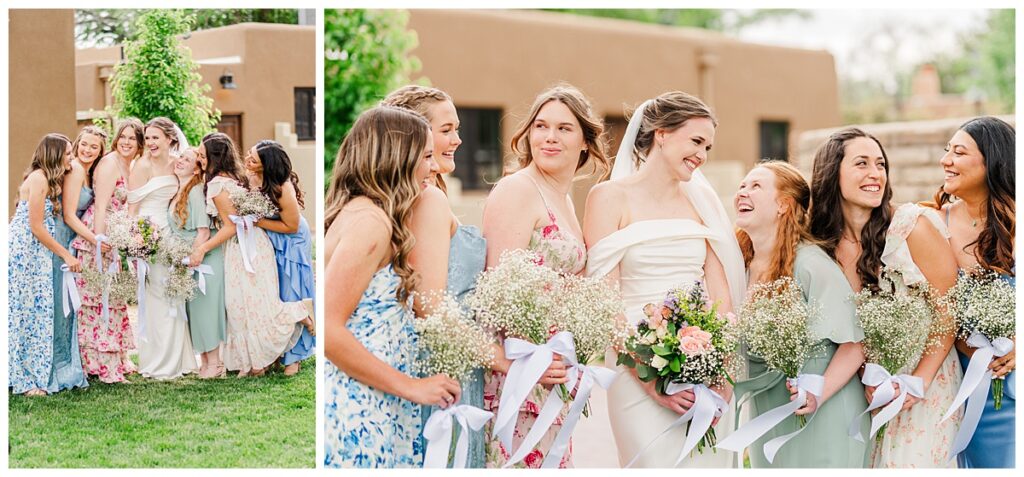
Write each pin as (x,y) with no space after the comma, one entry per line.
(29,273)
(979,163)
(372,411)
(467,249)
(271,168)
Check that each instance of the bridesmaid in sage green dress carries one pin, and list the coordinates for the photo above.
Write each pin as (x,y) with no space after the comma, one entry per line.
(771,206)
(466,247)
(207,315)
(66,371)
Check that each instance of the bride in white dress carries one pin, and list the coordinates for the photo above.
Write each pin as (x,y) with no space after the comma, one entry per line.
(657,225)
(165,347)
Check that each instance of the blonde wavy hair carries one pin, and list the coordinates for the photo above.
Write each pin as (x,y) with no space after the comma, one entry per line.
(580,106)
(95,131)
(49,158)
(378,160)
(181,207)
(420,99)
(792,226)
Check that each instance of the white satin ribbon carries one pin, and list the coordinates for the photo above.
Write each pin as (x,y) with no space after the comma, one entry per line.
(875,375)
(600,375)
(529,361)
(438,433)
(246,238)
(976,384)
(201,271)
(757,427)
(141,268)
(99,251)
(112,269)
(707,405)
(69,290)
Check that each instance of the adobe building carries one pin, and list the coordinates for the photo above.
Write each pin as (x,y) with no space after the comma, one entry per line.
(493,63)
(262,78)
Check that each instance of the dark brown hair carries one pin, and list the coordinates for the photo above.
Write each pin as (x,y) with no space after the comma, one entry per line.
(826,206)
(996,141)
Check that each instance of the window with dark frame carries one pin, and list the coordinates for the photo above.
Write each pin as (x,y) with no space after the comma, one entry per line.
(305,113)
(774,140)
(478,160)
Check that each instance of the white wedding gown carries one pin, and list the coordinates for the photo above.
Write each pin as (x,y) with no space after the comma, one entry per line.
(653,257)
(165,346)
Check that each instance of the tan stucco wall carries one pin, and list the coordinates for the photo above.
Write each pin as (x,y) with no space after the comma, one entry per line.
(914,149)
(275,59)
(502,59)
(305,164)
(41,74)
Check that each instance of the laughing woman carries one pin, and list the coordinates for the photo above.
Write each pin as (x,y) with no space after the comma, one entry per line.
(448,255)
(979,166)
(856,224)
(771,215)
(270,170)
(207,318)
(103,343)
(30,287)
(372,408)
(76,196)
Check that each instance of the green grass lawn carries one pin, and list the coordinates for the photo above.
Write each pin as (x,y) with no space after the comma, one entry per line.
(251,422)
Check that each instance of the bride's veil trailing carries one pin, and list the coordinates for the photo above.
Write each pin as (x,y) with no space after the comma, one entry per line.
(707,203)
(182,141)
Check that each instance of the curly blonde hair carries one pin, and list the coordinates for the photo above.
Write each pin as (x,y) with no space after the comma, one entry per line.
(378,160)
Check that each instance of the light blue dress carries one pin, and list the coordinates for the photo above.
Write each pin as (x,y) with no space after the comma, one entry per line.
(295,279)
(30,304)
(467,257)
(365,427)
(66,371)
(824,443)
(993,444)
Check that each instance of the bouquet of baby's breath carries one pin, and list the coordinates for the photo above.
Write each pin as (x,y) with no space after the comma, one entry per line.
(981,302)
(251,203)
(456,345)
(180,283)
(591,310)
(775,325)
(900,324)
(683,340)
(516,297)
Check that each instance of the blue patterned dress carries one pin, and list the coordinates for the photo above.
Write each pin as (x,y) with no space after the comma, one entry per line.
(295,279)
(992,446)
(366,427)
(30,304)
(467,256)
(66,372)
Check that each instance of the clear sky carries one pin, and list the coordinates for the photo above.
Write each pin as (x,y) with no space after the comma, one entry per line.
(857,38)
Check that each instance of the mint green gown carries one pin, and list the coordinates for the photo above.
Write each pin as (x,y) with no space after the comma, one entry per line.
(825,441)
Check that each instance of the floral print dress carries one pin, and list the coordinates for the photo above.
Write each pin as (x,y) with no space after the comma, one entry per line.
(30,303)
(366,427)
(918,437)
(104,344)
(561,251)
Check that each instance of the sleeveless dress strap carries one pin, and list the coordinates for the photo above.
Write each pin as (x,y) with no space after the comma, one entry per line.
(536,185)
(947,216)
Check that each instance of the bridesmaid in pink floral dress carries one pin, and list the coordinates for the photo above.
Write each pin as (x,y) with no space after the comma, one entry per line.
(531,209)
(105,344)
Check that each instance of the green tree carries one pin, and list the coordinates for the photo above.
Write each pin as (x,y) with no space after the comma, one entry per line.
(985,61)
(109,26)
(159,78)
(367,54)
